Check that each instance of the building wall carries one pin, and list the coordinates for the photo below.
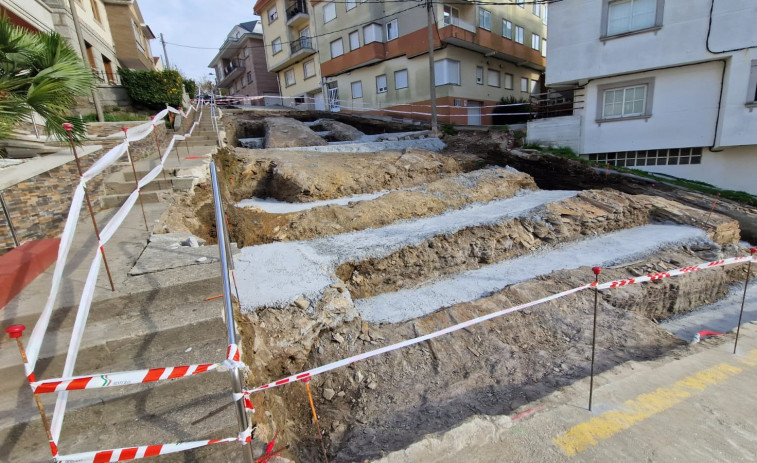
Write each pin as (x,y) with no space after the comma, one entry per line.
(120,17)
(263,82)
(556,131)
(32,12)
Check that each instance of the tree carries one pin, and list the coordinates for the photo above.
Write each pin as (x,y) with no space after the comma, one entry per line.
(40,72)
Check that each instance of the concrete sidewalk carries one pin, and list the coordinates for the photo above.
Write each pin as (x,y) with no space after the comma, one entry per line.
(696,405)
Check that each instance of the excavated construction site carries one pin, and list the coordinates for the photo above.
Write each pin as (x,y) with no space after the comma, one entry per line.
(356,234)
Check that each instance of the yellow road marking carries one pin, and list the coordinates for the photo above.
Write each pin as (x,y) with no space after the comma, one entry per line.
(584,435)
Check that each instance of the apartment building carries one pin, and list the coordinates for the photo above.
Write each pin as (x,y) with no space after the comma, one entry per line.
(667,86)
(130,34)
(240,64)
(374,57)
(291,51)
(34,15)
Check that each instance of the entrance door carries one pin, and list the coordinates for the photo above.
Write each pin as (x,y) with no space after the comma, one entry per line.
(333,98)
(320,105)
(474,112)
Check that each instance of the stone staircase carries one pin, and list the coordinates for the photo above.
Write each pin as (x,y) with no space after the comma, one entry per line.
(154,320)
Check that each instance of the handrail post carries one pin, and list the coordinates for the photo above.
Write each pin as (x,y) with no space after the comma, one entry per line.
(236,378)
(7,214)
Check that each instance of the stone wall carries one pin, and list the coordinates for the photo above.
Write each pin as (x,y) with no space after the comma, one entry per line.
(39,206)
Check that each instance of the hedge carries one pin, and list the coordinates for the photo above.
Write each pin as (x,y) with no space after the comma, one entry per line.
(191,87)
(152,89)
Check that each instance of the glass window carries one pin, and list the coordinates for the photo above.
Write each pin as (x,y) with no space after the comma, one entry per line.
(337,48)
(276,45)
(273,14)
(308,68)
(492,78)
(519,34)
(509,81)
(400,79)
(447,71)
(544,15)
(544,47)
(372,33)
(537,9)
(381,84)
(357,89)
(524,84)
(451,16)
(534,86)
(479,75)
(391,30)
(329,12)
(354,40)
(249,77)
(484,19)
(351,4)
(624,102)
(535,41)
(507,29)
(289,77)
(630,15)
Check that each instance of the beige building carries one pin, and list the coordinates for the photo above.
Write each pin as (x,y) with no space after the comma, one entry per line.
(34,15)
(291,51)
(130,34)
(240,64)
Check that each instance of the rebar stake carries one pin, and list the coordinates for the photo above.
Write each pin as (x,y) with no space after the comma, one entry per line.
(15,332)
(136,181)
(743,298)
(69,127)
(715,203)
(315,418)
(597,271)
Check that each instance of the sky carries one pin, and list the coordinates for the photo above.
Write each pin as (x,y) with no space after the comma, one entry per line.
(197,23)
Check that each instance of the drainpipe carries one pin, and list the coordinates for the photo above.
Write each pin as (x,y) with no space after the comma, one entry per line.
(83,47)
(720,104)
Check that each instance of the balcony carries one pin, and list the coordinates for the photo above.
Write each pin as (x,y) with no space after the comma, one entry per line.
(231,71)
(489,44)
(297,13)
(298,49)
(455,21)
(367,54)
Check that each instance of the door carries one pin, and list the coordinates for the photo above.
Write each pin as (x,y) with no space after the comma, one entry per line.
(333,98)
(474,112)
(319,103)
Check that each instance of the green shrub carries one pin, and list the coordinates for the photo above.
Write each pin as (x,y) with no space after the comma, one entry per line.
(190,86)
(449,129)
(152,89)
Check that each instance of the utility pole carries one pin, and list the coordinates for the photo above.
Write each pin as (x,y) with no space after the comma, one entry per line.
(83,47)
(432,74)
(165,53)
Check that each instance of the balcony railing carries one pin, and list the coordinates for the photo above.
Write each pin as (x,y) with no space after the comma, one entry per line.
(104,77)
(301,44)
(298,7)
(233,65)
(453,21)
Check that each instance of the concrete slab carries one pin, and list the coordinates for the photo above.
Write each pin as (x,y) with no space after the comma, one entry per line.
(33,167)
(168,253)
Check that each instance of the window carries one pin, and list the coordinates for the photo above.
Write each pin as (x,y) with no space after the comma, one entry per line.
(492,78)
(273,14)
(276,45)
(507,29)
(95,10)
(508,81)
(351,4)
(621,100)
(534,86)
(752,89)
(246,52)
(357,89)
(524,84)
(372,33)
(544,47)
(535,41)
(658,157)
(391,30)
(537,9)
(249,77)
(447,71)
(329,12)
(484,19)
(451,16)
(479,75)
(623,16)
(337,48)
(354,40)
(519,34)
(544,16)
(400,79)
(381,84)
(308,69)
(289,78)
(522,4)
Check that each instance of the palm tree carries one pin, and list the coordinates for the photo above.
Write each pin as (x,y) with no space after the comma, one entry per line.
(39,72)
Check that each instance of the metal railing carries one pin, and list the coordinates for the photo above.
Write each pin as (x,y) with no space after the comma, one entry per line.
(298,7)
(231,330)
(454,21)
(553,103)
(232,66)
(7,215)
(300,44)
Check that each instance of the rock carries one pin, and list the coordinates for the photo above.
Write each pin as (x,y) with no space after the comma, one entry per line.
(328,393)
(340,131)
(201,260)
(337,337)
(358,377)
(302,303)
(191,242)
(285,132)
(373,385)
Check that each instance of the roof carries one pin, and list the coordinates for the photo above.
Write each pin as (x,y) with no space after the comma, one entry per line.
(249,25)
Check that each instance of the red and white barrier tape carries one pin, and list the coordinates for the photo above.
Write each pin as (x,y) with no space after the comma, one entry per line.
(137,453)
(306,375)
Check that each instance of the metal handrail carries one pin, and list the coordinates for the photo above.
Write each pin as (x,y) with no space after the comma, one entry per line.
(7,215)
(231,331)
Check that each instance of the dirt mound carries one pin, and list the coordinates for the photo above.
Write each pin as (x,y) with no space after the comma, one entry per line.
(284,132)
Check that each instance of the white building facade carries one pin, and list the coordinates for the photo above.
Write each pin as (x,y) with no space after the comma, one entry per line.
(667,86)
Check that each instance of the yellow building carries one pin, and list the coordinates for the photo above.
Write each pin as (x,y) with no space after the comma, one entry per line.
(291,51)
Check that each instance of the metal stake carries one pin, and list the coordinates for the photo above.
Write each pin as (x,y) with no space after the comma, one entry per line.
(315,419)
(136,182)
(236,378)
(743,298)
(69,127)
(597,271)
(15,332)
(160,155)
(707,220)
(7,214)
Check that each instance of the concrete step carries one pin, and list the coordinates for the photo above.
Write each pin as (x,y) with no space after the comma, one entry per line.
(126,187)
(117,200)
